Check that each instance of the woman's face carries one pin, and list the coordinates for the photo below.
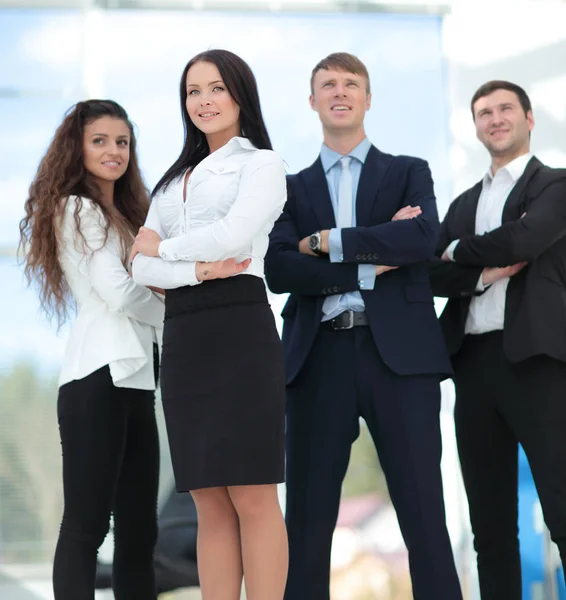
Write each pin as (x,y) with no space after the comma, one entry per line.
(209,104)
(106,148)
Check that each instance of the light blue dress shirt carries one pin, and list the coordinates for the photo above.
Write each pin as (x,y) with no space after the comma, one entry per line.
(366,273)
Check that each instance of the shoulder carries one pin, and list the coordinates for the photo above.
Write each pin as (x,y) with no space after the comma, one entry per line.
(261,158)
(546,175)
(82,215)
(404,162)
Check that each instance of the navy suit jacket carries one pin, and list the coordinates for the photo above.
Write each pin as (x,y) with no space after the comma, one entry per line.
(400,308)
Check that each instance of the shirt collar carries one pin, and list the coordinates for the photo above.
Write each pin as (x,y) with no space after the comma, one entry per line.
(514,169)
(329,157)
(235,144)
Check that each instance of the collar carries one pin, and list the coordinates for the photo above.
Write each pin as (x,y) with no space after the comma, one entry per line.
(329,157)
(231,147)
(514,169)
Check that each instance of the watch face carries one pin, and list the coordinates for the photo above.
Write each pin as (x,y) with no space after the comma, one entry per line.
(313,242)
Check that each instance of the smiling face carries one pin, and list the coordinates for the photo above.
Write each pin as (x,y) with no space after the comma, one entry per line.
(502,125)
(341,100)
(106,149)
(210,106)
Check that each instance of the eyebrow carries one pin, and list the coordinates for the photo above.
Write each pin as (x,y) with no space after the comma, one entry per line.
(348,80)
(501,105)
(125,136)
(210,83)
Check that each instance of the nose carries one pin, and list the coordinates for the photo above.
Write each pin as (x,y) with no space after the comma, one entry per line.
(497,118)
(339,90)
(205,100)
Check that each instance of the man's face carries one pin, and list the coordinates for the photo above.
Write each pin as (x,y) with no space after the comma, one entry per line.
(501,124)
(340,99)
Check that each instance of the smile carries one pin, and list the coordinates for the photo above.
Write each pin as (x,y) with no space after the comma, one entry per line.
(208,115)
(341,108)
(111,163)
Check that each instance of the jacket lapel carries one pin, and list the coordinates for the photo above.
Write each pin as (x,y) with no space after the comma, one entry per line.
(316,190)
(513,202)
(373,170)
(470,209)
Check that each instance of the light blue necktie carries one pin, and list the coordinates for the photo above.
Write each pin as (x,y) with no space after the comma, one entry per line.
(344,218)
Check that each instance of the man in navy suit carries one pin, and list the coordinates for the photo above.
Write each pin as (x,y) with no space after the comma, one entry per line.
(361,337)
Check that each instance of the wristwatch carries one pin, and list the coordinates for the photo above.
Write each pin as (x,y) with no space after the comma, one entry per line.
(315,241)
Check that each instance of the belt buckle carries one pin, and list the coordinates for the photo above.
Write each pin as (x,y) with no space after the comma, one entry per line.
(350,323)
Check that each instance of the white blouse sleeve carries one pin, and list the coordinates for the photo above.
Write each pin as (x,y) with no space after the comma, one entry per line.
(260,200)
(154,271)
(107,275)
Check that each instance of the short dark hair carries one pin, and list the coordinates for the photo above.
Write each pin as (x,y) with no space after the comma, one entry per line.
(492,86)
(242,86)
(341,61)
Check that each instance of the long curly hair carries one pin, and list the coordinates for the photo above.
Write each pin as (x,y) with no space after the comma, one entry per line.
(62,174)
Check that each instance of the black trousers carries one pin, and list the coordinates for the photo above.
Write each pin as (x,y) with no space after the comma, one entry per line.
(498,406)
(344,379)
(110,466)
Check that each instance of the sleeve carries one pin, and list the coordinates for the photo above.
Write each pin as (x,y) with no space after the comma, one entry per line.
(401,242)
(450,279)
(524,239)
(289,271)
(154,271)
(260,199)
(107,275)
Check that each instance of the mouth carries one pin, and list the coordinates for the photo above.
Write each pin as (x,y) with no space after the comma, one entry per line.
(207,116)
(340,108)
(499,132)
(112,164)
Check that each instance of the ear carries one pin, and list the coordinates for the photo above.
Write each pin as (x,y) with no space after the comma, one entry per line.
(368,101)
(311,102)
(530,120)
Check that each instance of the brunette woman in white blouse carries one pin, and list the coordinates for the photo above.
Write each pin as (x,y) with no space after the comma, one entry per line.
(223,382)
(85,205)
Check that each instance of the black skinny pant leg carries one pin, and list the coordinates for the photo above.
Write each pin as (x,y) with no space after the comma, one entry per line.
(498,405)
(96,421)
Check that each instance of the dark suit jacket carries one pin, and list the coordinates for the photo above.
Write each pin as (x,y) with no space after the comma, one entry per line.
(535,307)
(400,308)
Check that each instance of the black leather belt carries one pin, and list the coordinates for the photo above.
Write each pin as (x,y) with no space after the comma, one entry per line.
(346,320)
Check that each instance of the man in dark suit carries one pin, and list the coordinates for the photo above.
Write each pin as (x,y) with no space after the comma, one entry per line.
(502,264)
(361,337)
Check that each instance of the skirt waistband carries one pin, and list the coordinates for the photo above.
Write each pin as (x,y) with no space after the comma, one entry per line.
(241,289)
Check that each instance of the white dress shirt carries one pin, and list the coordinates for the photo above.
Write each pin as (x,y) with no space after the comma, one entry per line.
(117,320)
(487,312)
(233,198)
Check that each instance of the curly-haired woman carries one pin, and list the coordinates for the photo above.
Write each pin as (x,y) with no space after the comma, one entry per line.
(85,205)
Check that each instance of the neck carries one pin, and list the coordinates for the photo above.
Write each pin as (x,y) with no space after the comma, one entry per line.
(498,162)
(343,141)
(221,138)
(107,190)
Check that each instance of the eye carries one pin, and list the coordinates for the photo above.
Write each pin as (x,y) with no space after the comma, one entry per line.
(327,84)
(193,92)
(124,143)
(98,141)
(353,83)
(217,88)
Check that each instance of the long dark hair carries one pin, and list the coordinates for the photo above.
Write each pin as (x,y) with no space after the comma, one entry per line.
(242,86)
(61,174)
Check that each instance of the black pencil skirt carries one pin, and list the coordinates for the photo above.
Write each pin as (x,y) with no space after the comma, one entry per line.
(223,385)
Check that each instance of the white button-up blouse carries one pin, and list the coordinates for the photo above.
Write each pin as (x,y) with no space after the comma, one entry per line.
(118,320)
(233,198)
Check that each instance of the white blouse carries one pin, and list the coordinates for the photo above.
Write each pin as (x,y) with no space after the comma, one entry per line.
(233,198)
(118,320)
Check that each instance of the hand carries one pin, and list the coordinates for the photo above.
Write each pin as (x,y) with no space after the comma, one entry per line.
(147,243)
(156,289)
(221,269)
(380,269)
(492,274)
(407,212)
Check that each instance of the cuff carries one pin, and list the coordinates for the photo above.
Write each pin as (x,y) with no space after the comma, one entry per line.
(366,277)
(335,246)
(166,252)
(450,250)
